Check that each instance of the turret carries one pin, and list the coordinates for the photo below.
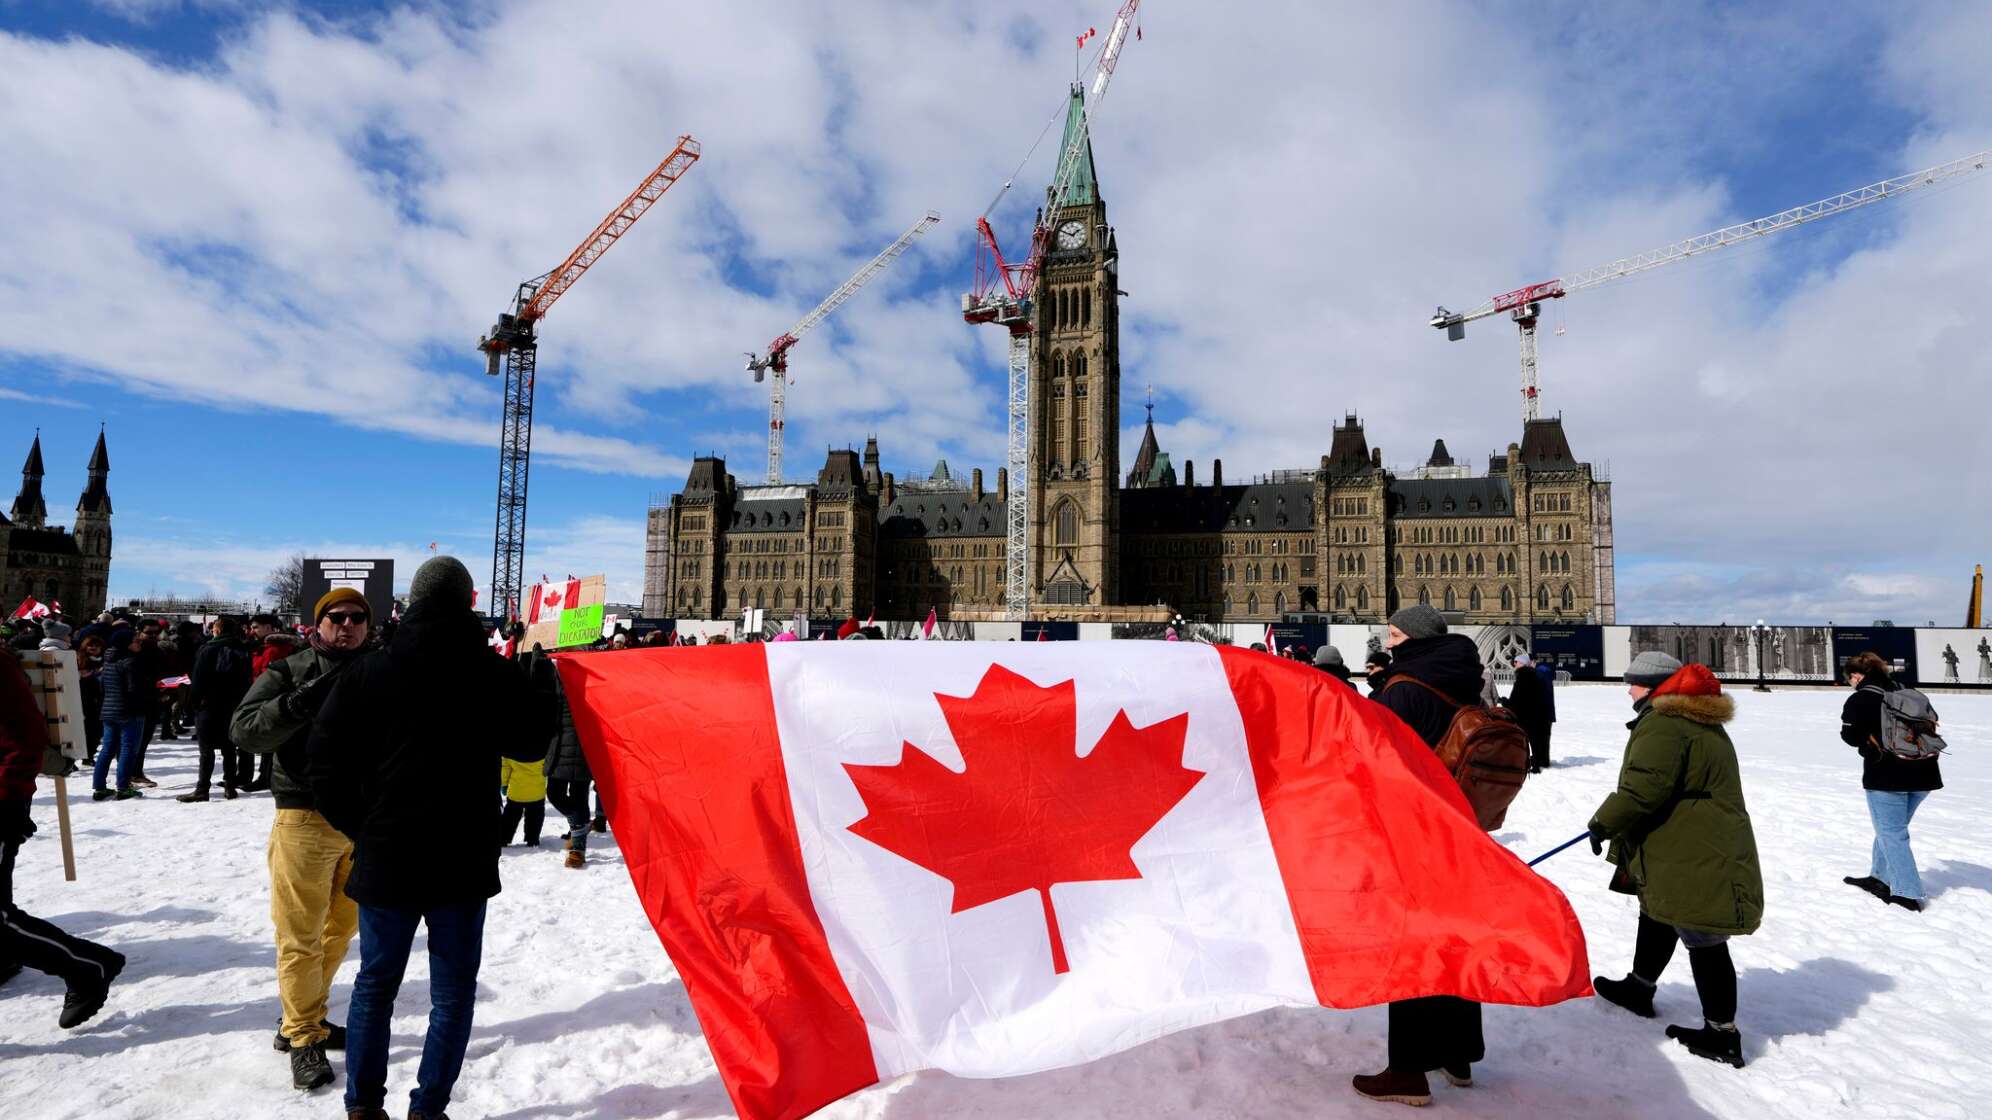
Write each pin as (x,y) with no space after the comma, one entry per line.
(30,511)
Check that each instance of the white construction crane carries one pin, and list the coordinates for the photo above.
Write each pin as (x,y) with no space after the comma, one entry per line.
(1010,306)
(775,359)
(1525,304)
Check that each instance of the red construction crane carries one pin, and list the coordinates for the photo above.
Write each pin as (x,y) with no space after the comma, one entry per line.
(1524,305)
(515,341)
(1010,306)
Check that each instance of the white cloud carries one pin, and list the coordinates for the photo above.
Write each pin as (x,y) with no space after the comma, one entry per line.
(326,216)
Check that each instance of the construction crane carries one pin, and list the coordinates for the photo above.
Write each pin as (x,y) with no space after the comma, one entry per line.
(1003,294)
(775,360)
(1524,305)
(514,343)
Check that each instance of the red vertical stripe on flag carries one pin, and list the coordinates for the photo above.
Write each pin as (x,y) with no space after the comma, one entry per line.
(1396,892)
(698,797)
(573,597)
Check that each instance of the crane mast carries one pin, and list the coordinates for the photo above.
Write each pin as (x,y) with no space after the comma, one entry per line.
(775,358)
(1524,304)
(513,343)
(1002,295)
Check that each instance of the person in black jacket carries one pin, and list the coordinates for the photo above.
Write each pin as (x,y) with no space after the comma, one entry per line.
(404,759)
(1431,674)
(1895,786)
(219,681)
(1529,700)
(123,715)
(567,774)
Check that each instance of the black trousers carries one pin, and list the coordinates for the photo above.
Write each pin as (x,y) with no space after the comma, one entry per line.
(1539,746)
(534,814)
(29,941)
(1435,1031)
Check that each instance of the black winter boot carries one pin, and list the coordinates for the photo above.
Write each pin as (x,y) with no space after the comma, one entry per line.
(1630,993)
(1717,1044)
(1870,884)
(1915,904)
(1394,1087)
(310,1068)
(86,997)
(335,1039)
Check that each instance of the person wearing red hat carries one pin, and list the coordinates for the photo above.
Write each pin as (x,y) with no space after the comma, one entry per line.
(1680,835)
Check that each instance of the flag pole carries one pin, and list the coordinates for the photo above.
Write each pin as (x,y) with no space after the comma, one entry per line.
(1584,835)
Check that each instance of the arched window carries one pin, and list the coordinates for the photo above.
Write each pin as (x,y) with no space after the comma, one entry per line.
(1424,596)
(1542,597)
(1361,565)
(1362,598)
(1066,530)
(1473,599)
(1569,598)
(1252,603)
(1507,599)
(758,598)
(681,596)
(1079,365)
(1279,603)
(1452,604)
(1341,598)
(836,598)
(1227,602)
(1085,307)
(819,595)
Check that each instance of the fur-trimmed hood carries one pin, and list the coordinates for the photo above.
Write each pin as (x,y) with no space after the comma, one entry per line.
(1712,710)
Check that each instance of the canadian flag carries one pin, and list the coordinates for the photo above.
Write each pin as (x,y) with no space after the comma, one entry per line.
(933,619)
(547,600)
(29,608)
(998,858)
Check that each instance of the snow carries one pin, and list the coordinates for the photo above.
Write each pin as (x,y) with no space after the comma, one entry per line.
(1849,1008)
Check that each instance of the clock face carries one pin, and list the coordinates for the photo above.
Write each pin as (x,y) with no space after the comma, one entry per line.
(1071,235)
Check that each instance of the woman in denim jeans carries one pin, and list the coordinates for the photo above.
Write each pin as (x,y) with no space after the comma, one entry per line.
(1895,786)
(122,717)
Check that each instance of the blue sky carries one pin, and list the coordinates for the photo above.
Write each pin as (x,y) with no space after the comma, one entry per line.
(258,243)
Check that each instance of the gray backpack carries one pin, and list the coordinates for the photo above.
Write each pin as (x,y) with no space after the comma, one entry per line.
(1909,725)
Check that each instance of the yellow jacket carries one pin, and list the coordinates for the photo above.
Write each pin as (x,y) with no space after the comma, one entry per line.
(522,781)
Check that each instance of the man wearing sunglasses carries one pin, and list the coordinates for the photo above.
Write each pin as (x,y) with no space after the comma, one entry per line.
(309,859)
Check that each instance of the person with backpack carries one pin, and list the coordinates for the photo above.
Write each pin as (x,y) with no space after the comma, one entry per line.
(1680,836)
(1432,677)
(220,679)
(1894,728)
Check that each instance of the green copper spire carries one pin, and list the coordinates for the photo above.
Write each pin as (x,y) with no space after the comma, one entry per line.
(1085,188)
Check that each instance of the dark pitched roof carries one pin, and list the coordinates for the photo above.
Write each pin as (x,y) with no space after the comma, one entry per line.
(932,512)
(772,509)
(708,475)
(841,472)
(1349,453)
(1451,497)
(1144,459)
(1440,457)
(1254,507)
(1545,446)
(100,459)
(43,541)
(34,464)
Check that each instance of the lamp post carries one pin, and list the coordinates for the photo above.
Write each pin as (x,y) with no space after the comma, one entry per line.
(1761,633)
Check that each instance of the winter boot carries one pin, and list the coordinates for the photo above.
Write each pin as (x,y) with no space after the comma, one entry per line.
(1459,1076)
(310,1069)
(189,798)
(1870,884)
(599,824)
(1395,1087)
(144,782)
(1915,904)
(101,795)
(86,997)
(228,793)
(1717,1044)
(577,858)
(335,1039)
(367,1114)
(127,793)
(1631,993)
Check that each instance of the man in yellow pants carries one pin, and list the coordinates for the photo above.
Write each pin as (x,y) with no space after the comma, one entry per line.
(309,859)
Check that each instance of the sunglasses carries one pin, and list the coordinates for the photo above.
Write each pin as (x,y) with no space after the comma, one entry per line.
(344,618)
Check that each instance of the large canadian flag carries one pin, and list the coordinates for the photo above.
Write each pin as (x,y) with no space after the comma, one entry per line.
(868,858)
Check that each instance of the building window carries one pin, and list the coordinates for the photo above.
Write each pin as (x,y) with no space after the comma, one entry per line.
(1507,599)
(1279,602)
(1473,599)
(1362,598)
(1067,528)
(1569,598)
(1341,597)
(1451,603)
(1424,596)
(1252,603)
(1542,598)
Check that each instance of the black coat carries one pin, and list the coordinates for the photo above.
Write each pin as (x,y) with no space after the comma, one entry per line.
(1530,701)
(565,761)
(1860,722)
(122,676)
(1449,663)
(219,681)
(403,759)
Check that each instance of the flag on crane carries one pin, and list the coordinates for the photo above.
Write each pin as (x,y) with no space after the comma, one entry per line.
(993,859)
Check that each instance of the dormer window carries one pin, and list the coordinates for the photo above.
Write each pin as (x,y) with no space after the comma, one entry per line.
(1424,505)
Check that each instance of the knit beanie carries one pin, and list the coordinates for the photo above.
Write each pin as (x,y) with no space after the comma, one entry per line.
(56,630)
(1694,679)
(1419,621)
(443,581)
(1651,669)
(335,597)
(1327,655)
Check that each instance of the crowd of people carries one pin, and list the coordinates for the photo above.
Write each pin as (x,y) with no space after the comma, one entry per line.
(391,810)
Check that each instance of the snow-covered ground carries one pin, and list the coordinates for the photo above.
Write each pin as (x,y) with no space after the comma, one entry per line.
(1849,1008)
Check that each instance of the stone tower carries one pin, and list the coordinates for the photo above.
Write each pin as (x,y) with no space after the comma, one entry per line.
(30,511)
(1075,396)
(93,536)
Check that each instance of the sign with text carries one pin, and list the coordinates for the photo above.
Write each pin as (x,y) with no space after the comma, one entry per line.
(564,613)
(371,578)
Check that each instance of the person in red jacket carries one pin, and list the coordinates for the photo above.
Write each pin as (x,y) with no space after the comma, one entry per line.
(86,967)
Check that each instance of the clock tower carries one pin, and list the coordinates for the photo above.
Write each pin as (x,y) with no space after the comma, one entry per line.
(1075,397)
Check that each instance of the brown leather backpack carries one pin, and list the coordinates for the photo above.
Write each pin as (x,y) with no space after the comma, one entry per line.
(1487,752)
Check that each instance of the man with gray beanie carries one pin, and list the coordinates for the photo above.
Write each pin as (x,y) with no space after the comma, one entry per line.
(404,759)
(1328,659)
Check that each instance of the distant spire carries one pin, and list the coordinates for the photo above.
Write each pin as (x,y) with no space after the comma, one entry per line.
(30,511)
(97,495)
(1085,187)
(1151,406)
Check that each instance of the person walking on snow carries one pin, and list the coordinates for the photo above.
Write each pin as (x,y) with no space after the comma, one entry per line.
(309,860)
(1529,699)
(524,785)
(1896,787)
(220,679)
(85,967)
(123,715)
(566,767)
(1680,836)
(1431,1032)
(404,760)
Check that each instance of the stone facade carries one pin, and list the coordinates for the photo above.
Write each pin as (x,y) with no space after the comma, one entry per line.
(56,565)
(1345,539)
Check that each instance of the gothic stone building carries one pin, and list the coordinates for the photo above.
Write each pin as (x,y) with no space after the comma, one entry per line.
(1347,539)
(50,563)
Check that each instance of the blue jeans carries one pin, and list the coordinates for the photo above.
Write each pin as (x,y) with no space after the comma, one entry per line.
(456,947)
(121,738)
(1894,863)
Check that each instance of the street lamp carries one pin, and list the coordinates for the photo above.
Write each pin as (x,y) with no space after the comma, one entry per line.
(1761,633)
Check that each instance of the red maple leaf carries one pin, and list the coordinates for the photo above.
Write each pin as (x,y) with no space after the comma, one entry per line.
(1026,811)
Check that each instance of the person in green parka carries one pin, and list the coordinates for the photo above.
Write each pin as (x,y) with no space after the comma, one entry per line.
(1680,836)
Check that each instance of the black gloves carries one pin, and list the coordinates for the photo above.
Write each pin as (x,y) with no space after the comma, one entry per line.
(15,824)
(1598,839)
(304,701)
